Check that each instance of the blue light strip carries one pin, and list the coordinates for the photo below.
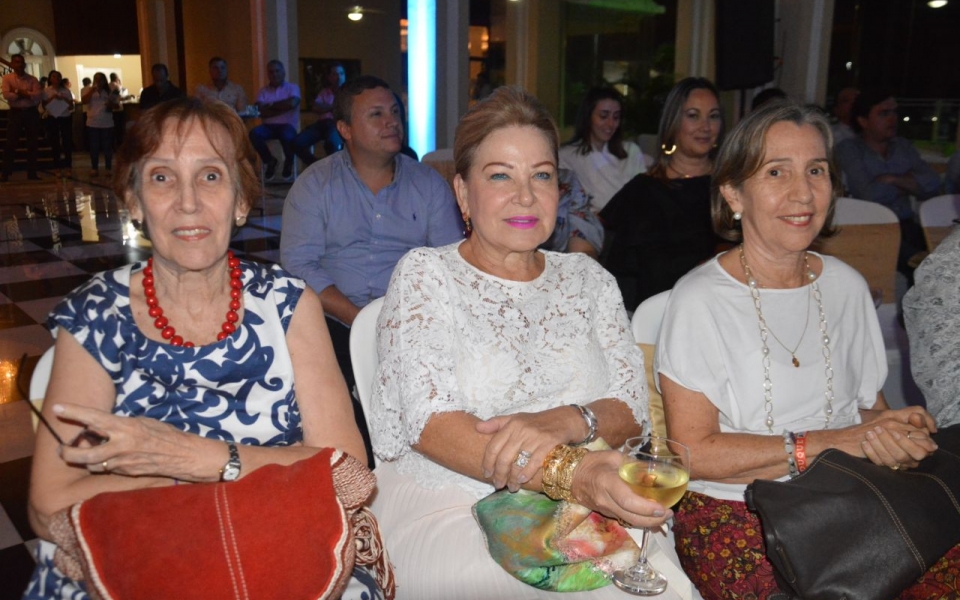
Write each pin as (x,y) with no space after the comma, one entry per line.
(422,74)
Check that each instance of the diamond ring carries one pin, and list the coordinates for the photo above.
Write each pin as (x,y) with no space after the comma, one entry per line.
(522,459)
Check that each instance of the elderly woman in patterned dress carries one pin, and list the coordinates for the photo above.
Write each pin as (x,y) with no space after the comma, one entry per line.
(194,366)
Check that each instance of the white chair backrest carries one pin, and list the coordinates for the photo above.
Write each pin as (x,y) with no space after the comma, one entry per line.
(940,211)
(40,379)
(646,319)
(363,352)
(439,155)
(851,211)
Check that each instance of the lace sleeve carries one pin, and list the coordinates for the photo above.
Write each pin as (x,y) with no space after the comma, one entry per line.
(933,324)
(417,374)
(628,381)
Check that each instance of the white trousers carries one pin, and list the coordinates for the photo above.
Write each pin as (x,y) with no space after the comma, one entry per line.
(438,551)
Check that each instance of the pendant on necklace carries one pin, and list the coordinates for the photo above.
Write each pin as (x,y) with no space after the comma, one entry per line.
(796,363)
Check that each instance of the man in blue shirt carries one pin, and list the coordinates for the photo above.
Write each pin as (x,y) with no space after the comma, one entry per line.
(350,217)
(881,167)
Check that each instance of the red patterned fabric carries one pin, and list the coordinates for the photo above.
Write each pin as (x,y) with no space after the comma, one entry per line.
(721,548)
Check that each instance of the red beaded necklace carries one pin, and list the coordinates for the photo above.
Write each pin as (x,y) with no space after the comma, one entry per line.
(167,331)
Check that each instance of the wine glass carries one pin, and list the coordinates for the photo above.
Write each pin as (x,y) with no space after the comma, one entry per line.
(658,469)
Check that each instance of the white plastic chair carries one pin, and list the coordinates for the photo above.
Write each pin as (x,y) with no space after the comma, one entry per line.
(39,381)
(439,155)
(938,217)
(851,211)
(646,319)
(363,352)
(869,241)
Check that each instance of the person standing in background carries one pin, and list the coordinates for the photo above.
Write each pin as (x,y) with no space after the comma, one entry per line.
(23,93)
(100,102)
(58,102)
(120,95)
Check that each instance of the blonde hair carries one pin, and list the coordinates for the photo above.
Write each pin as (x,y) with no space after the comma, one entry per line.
(507,106)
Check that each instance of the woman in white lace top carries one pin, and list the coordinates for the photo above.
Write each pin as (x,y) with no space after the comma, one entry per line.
(487,347)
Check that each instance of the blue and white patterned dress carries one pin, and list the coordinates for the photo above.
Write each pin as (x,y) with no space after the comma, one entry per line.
(239,389)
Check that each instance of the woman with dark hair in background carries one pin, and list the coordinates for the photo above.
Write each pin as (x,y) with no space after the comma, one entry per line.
(100,104)
(58,103)
(660,221)
(602,160)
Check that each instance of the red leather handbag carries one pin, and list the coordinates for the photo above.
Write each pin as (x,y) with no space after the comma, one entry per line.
(281,532)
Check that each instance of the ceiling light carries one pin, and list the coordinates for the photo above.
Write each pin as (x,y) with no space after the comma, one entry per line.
(937,3)
(356,14)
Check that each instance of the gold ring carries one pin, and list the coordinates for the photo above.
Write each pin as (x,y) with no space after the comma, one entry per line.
(105,467)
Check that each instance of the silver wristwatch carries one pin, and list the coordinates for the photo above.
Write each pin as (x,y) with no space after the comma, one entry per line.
(231,470)
(591,420)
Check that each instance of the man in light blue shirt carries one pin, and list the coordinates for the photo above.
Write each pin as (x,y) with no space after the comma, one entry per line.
(350,217)
(886,169)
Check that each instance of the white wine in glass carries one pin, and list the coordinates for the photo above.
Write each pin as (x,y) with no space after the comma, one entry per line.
(657,469)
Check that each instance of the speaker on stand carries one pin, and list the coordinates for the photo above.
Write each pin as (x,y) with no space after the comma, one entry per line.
(745,45)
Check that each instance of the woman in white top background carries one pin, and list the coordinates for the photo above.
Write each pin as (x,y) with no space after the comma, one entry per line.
(598,154)
(58,104)
(100,103)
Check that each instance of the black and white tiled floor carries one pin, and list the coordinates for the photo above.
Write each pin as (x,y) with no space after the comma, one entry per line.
(54,234)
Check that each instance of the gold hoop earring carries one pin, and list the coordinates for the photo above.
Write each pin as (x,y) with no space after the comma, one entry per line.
(672,149)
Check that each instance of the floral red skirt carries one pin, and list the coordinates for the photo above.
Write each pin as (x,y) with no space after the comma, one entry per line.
(721,548)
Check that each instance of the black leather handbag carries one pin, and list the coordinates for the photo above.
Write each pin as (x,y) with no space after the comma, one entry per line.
(846,528)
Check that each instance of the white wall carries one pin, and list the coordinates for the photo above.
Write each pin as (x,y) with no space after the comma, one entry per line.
(127,67)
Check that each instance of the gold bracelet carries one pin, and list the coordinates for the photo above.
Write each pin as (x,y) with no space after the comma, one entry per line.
(570,463)
(551,473)
(558,467)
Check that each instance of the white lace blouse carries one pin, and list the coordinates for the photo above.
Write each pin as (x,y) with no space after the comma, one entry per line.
(453,338)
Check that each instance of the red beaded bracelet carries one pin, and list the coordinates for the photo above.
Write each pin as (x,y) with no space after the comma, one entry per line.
(800,451)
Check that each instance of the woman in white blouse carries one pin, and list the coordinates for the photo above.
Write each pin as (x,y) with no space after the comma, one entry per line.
(58,105)
(486,348)
(770,354)
(602,160)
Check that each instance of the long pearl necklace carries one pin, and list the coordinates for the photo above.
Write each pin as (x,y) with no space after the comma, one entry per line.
(764,329)
(167,331)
